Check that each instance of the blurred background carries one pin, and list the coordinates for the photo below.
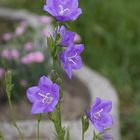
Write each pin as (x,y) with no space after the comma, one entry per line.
(110,30)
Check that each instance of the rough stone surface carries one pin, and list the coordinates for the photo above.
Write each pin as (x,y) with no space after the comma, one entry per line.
(98,87)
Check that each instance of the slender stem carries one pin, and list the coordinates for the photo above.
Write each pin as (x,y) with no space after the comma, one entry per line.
(38,124)
(82,135)
(8,80)
(13,120)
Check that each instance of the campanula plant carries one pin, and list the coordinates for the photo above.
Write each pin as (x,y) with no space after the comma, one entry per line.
(46,96)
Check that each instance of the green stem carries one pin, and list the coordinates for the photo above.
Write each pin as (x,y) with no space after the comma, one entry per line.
(8,80)
(57,122)
(38,124)
(14,121)
(83,135)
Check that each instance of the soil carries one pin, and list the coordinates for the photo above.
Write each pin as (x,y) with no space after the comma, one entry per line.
(75,102)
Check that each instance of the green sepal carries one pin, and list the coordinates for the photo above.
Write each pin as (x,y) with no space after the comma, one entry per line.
(85,123)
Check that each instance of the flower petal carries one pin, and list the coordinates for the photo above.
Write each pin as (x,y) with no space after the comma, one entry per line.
(32,94)
(38,108)
(106,120)
(67,36)
(44,83)
(99,127)
(79,48)
(77,63)
(55,90)
(74,15)
(68,70)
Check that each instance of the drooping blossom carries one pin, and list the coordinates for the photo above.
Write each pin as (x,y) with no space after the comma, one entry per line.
(28,46)
(2,71)
(99,114)
(44,96)
(63,10)
(7,36)
(67,37)
(71,59)
(34,57)
(45,19)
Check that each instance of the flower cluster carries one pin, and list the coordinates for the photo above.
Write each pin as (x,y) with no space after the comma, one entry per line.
(70,57)
(46,95)
(34,57)
(10,54)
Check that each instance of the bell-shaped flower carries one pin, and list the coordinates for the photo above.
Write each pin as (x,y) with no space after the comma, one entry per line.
(99,114)
(44,96)
(67,37)
(63,10)
(71,59)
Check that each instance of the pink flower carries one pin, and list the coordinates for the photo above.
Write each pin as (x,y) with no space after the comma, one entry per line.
(2,72)
(27,59)
(21,28)
(6,54)
(10,54)
(28,46)
(6,36)
(77,38)
(38,57)
(14,54)
(19,31)
(34,57)
(45,19)
(45,33)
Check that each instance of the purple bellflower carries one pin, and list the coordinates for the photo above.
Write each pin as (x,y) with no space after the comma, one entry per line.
(99,114)
(71,59)
(67,37)
(63,10)
(44,97)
